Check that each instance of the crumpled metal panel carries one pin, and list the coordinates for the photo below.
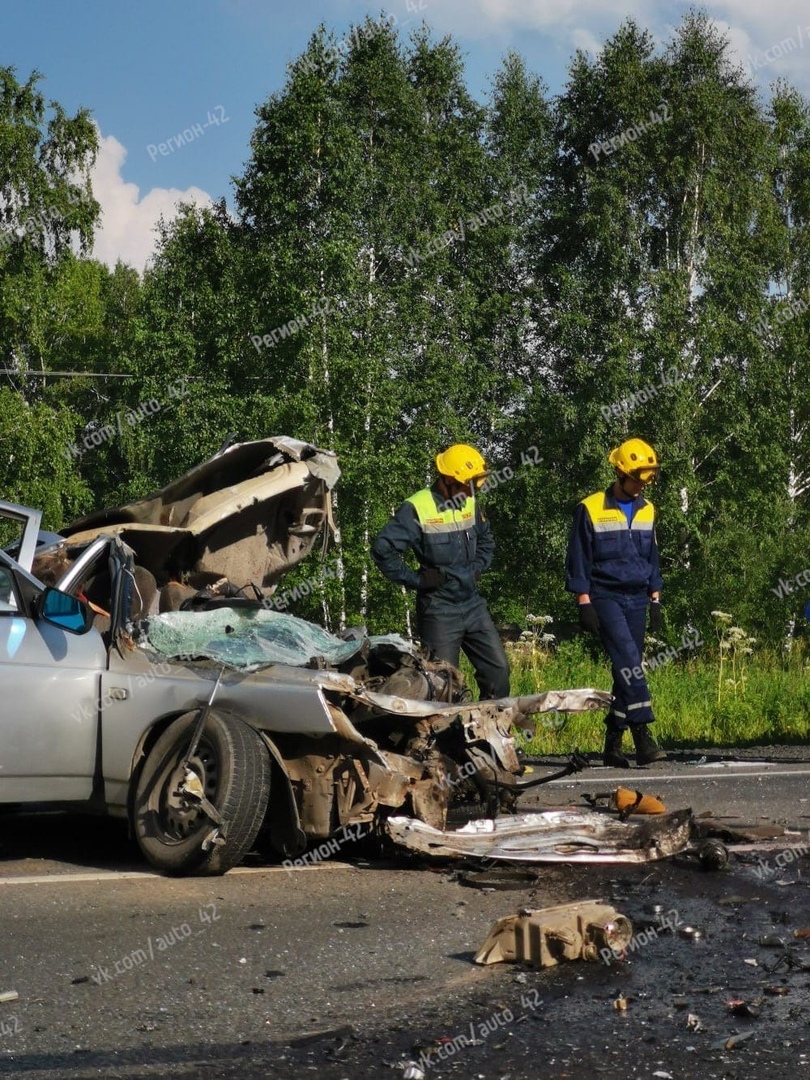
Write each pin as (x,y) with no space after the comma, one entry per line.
(246,514)
(549,701)
(570,836)
(429,797)
(495,730)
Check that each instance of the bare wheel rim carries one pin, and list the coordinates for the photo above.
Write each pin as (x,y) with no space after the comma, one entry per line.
(180,816)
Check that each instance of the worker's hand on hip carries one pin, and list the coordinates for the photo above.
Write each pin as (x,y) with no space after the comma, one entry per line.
(431,578)
(588,619)
(656,616)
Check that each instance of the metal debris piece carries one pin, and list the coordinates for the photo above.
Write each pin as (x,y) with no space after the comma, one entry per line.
(312,1037)
(691,933)
(412,1071)
(500,878)
(738,833)
(776,991)
(786,960)
(694,1023)
(569,836)
(733,1040)
(738,1007)
(9,995)
(772,941)
(620,1003)
(546,936)
(713,855)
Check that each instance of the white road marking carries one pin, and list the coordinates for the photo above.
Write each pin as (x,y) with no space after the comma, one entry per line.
(641,776)
(123,875)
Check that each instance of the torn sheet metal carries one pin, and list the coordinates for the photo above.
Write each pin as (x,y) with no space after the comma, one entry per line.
(248,514)
(487,724)
(569,836)
(549,701)
(544,937)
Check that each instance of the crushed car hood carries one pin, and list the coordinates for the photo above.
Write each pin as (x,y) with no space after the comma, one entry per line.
(247,514)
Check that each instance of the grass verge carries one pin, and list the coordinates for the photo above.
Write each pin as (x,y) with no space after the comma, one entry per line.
(696,702)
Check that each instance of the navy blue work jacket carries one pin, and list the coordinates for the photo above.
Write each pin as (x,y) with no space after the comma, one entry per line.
(606,554)
(453,538)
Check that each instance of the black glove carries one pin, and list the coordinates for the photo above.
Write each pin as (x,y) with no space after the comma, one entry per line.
(588,619)
(656,617)
(431,578)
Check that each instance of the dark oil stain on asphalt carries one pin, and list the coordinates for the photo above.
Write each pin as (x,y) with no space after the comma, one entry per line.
(694,1006)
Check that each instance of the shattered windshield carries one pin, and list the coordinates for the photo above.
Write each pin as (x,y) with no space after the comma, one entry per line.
(249,638)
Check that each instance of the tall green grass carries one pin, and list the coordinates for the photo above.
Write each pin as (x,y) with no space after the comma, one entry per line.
(769,704)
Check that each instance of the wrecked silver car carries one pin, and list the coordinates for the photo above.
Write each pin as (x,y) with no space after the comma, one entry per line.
(205,726)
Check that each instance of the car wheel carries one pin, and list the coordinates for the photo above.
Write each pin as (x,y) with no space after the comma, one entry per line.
(233,766)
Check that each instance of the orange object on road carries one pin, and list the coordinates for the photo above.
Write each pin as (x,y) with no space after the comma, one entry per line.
(636,802)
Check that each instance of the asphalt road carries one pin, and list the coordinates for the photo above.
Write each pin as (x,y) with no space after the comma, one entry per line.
(351,969)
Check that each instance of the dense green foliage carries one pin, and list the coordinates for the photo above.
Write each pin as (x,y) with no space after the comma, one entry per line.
(771,706)
(631,257)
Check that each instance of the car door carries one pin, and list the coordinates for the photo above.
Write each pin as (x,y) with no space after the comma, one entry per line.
(49,688)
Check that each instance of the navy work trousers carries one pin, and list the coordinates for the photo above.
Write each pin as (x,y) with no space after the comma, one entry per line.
(622,622)
(447,627)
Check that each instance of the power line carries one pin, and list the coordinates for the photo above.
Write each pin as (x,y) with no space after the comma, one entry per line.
(65,374)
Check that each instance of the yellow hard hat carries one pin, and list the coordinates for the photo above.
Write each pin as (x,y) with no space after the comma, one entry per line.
(637,459)
(462,462)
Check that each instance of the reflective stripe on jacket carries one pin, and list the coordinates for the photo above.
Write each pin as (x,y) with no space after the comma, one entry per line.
(432,520)
(455,539)
(605,553)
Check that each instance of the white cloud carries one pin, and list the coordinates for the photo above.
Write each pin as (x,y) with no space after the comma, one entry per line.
(768,40)
(480,18)
(585,40)
(128,221)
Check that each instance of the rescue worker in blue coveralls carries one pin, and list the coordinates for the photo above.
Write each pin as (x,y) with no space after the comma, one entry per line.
(612,568)
(448,533)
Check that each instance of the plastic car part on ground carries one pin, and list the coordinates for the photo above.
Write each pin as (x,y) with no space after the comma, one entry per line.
(544,937)
(627,802)
(247,638)
(570,836)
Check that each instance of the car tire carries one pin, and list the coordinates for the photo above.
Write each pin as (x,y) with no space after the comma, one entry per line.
(233,764)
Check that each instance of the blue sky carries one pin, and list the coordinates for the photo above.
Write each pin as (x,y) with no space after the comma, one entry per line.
(149,70)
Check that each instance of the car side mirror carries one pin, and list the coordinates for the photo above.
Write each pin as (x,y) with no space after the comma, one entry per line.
(65,611)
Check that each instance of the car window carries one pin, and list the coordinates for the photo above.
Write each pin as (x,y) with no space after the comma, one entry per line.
(8,599)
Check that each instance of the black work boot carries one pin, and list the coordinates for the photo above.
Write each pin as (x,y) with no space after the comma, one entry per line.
(647,749)
(612,754)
